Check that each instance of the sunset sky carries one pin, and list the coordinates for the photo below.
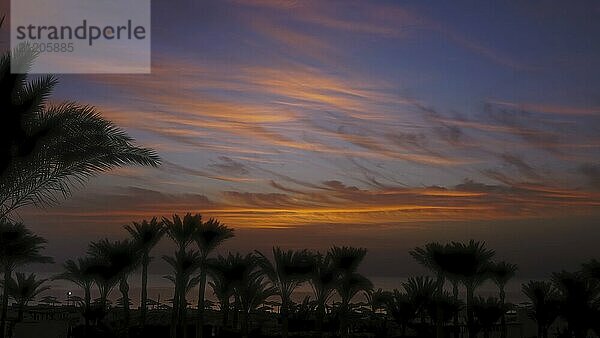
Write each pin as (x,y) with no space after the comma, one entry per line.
(381,124)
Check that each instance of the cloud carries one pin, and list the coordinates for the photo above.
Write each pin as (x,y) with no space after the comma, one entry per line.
(591,172)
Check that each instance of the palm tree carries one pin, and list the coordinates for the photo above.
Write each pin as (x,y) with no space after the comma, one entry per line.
(81,274)
(323,281)
(145,235)
(251,286)
(591,269)
(291,268)
(421,291)
(183,232)
(402,308)
(120,259)
(579,301)
(208,237)
(24,289)
(487,312)
(221,271)
(473,270)
(501,273)
(433,256)
(46,150)
(544,303)
(346,261)
(18,246)
(184,264)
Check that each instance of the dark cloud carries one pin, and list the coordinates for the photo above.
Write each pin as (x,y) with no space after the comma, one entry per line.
(229,166)
(591,172)
(522,167)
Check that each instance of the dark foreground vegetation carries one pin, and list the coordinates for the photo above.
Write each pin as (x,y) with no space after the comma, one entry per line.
(254,292)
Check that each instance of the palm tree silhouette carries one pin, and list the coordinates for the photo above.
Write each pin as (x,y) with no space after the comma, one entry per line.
(18,246)
(120,259)
(473,270)
(487,312)
(208,237)
(434,257)
(579,298)
(345,261)
(289,270)
(145,235)
(46,150)
(402,308)
(221,271)
(323,281)
(544,304)
(184,264)
(80,273)
(501,273)
(24,289)
(251,286)
(591,269)
(183,232)
(421,290)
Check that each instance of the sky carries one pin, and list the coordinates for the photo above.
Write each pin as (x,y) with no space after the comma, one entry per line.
(380,124)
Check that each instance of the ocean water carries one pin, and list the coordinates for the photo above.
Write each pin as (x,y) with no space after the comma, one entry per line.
(161,289)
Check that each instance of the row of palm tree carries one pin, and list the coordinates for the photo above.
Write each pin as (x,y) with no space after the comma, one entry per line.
(244,284)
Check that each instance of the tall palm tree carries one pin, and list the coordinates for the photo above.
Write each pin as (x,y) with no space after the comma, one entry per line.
(221,271)
(473,270)
(433,256)
(184,264)
(580,298)
(289,270)
(80,273)
(323,281)
(182,231)
(346,261)
(18,246)
(544,304)
(501,273)
(251,286)
(208,237)
(46,150)
(24,289)
(145,235)
(120,259)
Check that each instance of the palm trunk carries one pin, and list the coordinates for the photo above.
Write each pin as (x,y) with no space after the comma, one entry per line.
(201,291)
(320,316)
(86,310)
(175,312)
(439,325)
(344,319)
(225,312)
(236,312)
(144,298)
(3,318)
(503,318)
(20,313)
(124,288)
(245,319)
(455,319)
(470,319)
(283,312)
(183,312)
